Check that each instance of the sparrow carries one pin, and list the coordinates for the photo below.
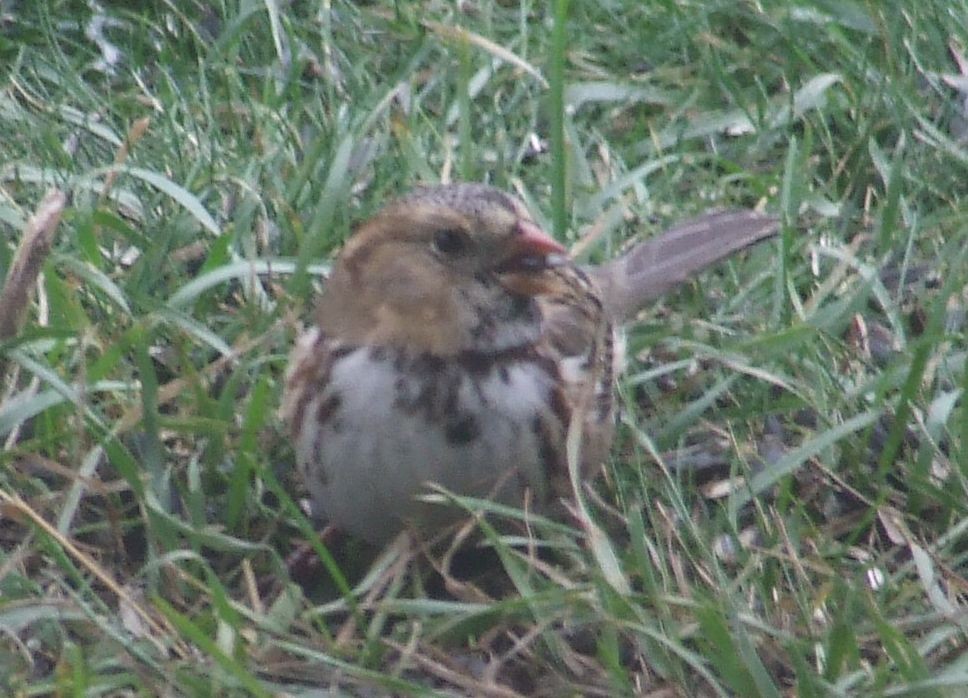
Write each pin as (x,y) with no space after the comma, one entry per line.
(455,341)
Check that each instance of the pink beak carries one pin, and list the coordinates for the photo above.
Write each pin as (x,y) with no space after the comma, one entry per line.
(531,252)
(534,241)
(532,249)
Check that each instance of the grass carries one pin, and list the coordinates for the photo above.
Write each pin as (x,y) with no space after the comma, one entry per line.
(784,512)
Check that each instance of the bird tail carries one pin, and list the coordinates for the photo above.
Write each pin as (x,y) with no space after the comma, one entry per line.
(654,266)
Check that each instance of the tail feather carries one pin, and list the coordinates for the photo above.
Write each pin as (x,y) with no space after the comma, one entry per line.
(657,265)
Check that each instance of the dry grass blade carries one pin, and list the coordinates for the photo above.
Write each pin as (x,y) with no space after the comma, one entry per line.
(439,668)
(495,49)
(172,642)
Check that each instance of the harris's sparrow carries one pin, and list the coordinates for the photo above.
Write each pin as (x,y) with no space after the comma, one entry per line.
(454,342)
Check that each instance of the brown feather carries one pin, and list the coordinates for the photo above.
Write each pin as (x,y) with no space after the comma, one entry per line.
(655,266)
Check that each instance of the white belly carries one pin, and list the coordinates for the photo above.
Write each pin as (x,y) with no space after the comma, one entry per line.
(386,434)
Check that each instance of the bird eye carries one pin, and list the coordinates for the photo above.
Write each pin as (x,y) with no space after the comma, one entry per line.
(450,242)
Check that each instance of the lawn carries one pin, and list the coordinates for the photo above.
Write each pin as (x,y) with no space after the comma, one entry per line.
(785,510)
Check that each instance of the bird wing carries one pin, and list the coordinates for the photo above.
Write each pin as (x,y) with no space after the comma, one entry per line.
(656,265)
